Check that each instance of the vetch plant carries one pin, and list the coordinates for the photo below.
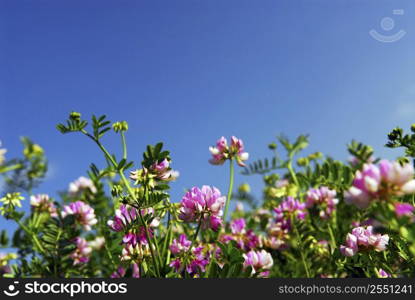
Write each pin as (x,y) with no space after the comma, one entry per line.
(317,216)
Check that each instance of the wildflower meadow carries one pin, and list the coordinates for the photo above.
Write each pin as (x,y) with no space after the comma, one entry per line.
(318,217)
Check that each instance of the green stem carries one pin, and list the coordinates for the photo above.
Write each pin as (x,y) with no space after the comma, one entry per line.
(196,234)
(333,239)
(228,199)
(292,173)
(124,146)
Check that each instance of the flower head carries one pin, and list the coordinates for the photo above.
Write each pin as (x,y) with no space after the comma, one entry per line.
(288,207)
(221,152)
(82,252)
(380,182)
(245,239)
(42,203)
(363,238)
(203,205)
(193,261)
(260,261)
(324,199)
(84,213)
(125,215)
(80,185)
(404,209)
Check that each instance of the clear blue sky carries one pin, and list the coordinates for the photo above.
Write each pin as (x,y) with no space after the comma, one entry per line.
(187,72)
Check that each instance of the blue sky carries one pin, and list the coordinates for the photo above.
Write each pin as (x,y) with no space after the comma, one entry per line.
(187,72)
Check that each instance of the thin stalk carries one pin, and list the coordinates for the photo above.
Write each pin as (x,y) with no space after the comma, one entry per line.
(300,246)
(332,238)
(196,233)
(124,146)
(292,173)
(228,199)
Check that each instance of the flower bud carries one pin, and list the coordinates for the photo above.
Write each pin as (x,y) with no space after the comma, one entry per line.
(75,116)
(120,126)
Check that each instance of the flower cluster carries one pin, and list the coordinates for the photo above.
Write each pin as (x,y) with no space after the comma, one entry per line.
(324,199)
(222,151)
(279,230)
(245,239)
(380,182)
(82,252)
(203,205)
(290,207)
(42,203)
(163,171)
(84,214)
(260,261)
(193,261)
(363,238)
(80,185)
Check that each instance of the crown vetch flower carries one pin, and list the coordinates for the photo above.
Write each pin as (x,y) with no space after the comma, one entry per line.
(84,213)
(260,261)
(245,239)
(288,207)
(42,203)
(324,199)
(363,238)
(203,204)
(380,182)
(193,261)
(125,215)
(222,151)
(180,245)
(404,209)
(81,184)
(82,252)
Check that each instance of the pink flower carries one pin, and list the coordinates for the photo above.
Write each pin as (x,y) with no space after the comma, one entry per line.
(380,182)
(163,171)
(404,209)
(288,207)
(121,272)
(203,204)
(193,261)
(260,261)
(82,252)
(245,239)
(363,238)
(80,185)
(84,213)
(324,199)
(126,215)
(42,203)
(137,237)
(383,274)
(181,245)
(222,151)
